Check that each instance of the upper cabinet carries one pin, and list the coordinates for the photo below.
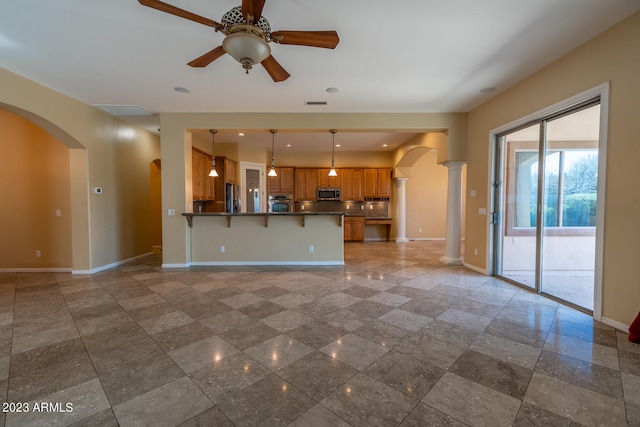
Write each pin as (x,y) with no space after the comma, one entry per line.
(229,171)
(306,184)
(377,183)
(283,183)
(202,183)
(326,181)
(351,184)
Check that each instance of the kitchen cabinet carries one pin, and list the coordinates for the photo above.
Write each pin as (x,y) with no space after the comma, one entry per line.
(353,228)
(202,183)
(283,183)
(229,171)
(326,181)
(351,184)
(306,184)
(377,183)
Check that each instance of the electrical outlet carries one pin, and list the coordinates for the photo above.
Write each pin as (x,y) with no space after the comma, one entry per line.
(222,248)
(171,212)
(310,248)
(58,212)
(361,206)
(370,206)
(38,253)
(420,230)
(475,251)
(301,207)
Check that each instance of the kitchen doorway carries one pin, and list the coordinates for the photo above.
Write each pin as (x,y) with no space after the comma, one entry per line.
(252,187)
(548,203)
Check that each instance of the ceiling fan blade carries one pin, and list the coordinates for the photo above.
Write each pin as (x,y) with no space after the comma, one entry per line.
(325,39)
(275,70)
(253,8)
(164,7)
(207,58)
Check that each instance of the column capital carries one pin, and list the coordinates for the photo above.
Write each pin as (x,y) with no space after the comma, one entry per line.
(454,164)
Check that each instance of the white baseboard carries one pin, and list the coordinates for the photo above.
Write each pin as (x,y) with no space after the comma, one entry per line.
(108,266)
(35,270)
(176,265)
(425,239)
(475,268)
(614,323)
(310,263)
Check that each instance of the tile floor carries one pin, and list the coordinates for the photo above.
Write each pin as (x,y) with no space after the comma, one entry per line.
(393,338)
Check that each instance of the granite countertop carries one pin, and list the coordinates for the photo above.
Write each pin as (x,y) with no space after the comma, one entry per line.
(260,213)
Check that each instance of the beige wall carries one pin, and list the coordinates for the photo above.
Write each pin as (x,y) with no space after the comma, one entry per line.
(247,240)
(426,192)
(34,184)
(107,228)
(611,56)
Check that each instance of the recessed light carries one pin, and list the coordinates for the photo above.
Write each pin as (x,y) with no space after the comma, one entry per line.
(384,145)
(181,89)
(338,145)
(333,90)
(288,145)
(487,89)
(240,134)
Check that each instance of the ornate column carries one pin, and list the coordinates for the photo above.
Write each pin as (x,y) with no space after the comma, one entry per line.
(401,214)
(454,214)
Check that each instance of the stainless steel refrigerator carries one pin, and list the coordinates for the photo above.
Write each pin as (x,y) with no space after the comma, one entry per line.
(232,198)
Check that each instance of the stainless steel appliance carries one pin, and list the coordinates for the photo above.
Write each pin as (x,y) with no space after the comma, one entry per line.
(332,193)
(280,203)
(232,198)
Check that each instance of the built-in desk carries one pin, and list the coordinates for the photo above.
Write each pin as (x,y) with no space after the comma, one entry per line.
(381,221)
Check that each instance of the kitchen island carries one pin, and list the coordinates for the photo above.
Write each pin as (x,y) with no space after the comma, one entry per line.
(295,238)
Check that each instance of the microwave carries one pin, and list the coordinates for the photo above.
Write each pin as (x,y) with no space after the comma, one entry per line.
(328,194)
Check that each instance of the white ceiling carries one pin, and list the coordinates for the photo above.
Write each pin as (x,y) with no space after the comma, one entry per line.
(408,56)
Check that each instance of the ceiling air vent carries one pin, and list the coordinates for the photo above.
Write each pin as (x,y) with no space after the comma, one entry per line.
(315,102)
(124,110)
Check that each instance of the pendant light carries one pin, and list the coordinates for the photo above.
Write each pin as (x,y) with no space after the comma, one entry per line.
(333,172)
(272,171)
(213,171)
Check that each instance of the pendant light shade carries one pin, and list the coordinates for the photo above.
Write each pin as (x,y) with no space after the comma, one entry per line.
(213,171)
(333,172)
(272,170)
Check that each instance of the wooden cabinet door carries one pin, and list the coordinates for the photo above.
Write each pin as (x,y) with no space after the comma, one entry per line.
(286,180)
(370,182)
(325,181)
(230,171)
(273,182)
(312,184)
(356,185)
(346,187)
(197,183)
(306,184)
(358,229)
(384,183)
(353,228)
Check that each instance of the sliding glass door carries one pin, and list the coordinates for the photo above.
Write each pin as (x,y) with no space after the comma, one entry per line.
(546,198)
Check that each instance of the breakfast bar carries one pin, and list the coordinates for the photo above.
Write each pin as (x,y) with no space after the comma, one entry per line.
(295,238)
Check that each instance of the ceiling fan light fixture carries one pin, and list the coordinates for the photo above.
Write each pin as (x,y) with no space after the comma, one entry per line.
(247,48)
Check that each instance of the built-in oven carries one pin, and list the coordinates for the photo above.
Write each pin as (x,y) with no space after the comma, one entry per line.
(328,193)
(280,203)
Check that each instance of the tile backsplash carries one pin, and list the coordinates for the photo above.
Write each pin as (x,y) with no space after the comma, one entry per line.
(368,209)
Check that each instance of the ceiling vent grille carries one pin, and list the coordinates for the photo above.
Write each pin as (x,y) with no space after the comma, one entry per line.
(124,110)
(315,103)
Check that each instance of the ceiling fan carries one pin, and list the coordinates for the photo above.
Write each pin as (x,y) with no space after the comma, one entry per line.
(247,36)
